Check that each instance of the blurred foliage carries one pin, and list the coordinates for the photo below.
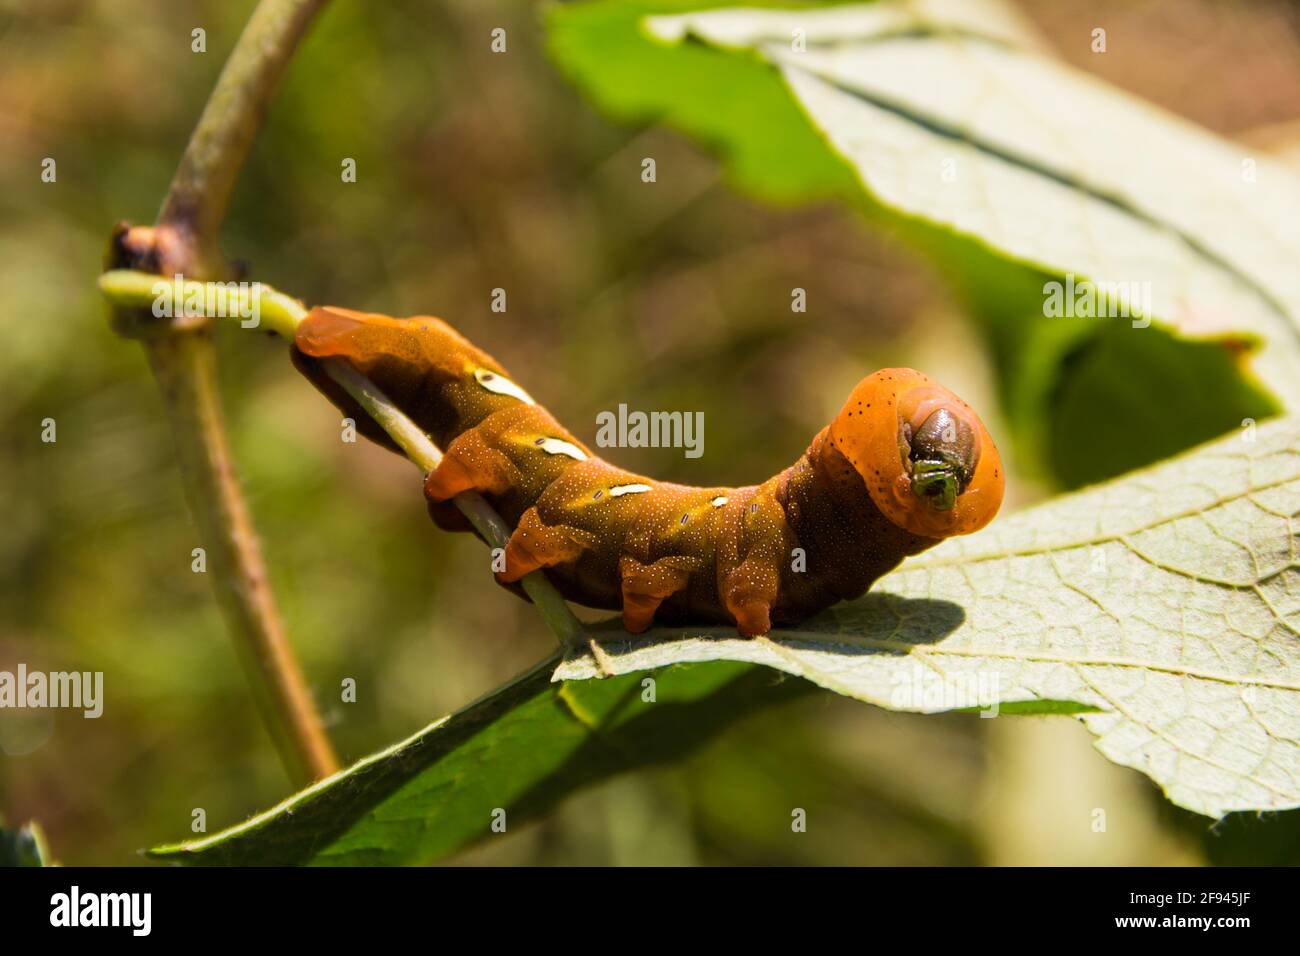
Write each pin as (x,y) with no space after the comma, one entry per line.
(475,171)
(23,847)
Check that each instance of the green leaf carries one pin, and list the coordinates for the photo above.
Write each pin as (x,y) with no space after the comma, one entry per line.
(771,149)
(520,750)
(944,121)
(1165,606)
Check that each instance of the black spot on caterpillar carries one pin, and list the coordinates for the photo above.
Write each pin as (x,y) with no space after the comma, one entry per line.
(905,464)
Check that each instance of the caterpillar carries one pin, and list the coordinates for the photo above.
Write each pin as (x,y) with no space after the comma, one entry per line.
(904,464)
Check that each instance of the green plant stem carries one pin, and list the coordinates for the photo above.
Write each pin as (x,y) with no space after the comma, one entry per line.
(422,451)
(281,314)
(184,363)
(185,367)
(277,312)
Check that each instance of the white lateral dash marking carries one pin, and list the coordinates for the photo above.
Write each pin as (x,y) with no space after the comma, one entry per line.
(558,446)
(619,490)
(501,385)
(719,501)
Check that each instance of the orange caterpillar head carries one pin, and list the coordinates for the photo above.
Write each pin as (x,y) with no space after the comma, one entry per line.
(926,458)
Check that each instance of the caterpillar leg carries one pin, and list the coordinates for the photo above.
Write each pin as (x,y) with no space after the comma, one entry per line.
(748,594)
(470,464)
(750,563)
(646,586)
(537,545)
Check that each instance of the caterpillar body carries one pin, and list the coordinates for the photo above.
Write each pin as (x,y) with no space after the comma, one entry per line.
(905,464)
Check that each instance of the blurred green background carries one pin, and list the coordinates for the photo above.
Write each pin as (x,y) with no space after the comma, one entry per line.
(477,171)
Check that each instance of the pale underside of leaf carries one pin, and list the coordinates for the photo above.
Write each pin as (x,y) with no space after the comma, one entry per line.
(1166,604)
(971,128)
